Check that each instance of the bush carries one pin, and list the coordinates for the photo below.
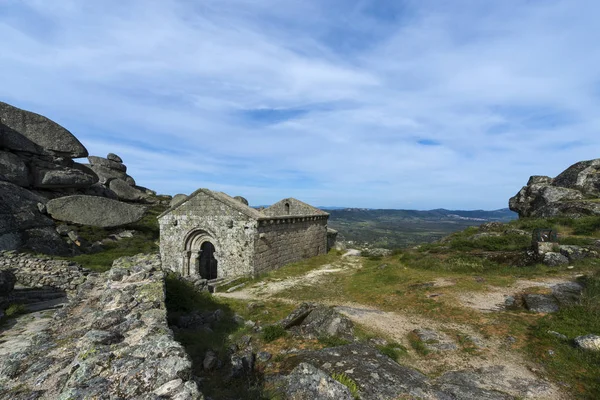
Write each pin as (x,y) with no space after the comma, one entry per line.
(272,332)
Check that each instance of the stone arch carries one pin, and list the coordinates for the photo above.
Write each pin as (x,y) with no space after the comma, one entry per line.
(195,243)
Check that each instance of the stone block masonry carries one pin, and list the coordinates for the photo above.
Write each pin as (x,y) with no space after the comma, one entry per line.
(289,239)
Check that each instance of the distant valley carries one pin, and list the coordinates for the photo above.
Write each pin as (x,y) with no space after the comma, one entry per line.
(404,228)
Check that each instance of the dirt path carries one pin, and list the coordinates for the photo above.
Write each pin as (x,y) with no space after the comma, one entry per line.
(500,367)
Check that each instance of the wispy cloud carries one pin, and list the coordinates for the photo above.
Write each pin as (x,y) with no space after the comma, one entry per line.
(411,104)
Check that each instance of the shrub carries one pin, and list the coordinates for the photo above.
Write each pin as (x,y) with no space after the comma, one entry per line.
(272,332)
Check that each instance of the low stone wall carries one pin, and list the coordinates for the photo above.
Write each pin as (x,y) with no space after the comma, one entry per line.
(35,272)
(111,340)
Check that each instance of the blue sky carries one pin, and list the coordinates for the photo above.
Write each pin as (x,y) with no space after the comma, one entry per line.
(387,104)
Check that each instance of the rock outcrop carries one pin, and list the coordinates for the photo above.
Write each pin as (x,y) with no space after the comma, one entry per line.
(573,193)
(111,340)
(94,211)
(29,132)
(37,166)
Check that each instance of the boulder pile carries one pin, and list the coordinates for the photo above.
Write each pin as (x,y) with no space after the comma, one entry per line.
(41,182)
(573,193)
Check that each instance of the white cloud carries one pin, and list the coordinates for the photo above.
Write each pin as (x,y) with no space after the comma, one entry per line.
(166,84)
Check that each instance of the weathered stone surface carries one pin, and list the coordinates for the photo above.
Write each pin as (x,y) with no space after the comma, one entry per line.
(178,198)
(325,322)
(306,382)
(553,259)
(574,253)
(111,339)
(126,192)
(62,177)
(27,131)
(246,242)
(13,169)
(7,282)
(105,175)
(568,293)
(435,341)
(583,176)
(46,241)
(297,316)
(114,157)
(104,162)
(377,376)
(588,342)
(566,195)
(94,211)
(241,199)
(541,303)
(491,383)
(18,213)
(101,191)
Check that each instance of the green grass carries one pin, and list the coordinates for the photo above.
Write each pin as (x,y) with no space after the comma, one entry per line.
(271,333)
(417,344)
(578,368)
(332,341)
(507,242)
(348,382)
(393,350)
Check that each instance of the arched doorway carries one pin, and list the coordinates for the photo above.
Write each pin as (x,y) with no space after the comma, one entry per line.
(200,255)
(207,263)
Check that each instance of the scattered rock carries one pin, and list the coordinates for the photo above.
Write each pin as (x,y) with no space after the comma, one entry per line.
(568,293)
(588,342)
(558,335)
(541,303)
(553,259)
(435,341)
(94,211)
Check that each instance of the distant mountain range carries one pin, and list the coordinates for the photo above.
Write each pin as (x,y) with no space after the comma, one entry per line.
(402,228)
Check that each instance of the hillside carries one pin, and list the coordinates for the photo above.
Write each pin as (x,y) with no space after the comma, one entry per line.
(404,228)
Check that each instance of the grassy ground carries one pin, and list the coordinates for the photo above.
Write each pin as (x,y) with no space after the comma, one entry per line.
(145,240)
(403,283)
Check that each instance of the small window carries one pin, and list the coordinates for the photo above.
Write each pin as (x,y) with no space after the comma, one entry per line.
(287,208)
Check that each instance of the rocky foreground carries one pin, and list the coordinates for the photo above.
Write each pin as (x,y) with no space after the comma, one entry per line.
(109,341)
